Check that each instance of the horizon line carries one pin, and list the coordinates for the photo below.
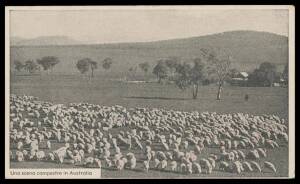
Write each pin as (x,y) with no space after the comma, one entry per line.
(128,42)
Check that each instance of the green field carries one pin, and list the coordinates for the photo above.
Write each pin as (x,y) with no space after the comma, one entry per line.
(107,92)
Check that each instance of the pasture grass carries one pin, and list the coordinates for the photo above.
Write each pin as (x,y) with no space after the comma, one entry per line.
(103,91)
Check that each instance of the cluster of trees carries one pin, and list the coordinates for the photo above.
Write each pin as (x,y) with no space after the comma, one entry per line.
(213,67)
(86,64)
(47,63)
(210,67)
(267,75)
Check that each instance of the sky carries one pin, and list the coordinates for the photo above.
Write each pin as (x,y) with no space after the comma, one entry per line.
(141,25)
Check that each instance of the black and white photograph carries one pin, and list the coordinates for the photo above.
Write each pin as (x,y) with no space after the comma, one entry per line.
(132,92)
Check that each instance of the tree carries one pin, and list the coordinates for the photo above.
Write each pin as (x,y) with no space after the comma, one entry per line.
(172,63)
(187,75)
(107,62)
(30,66)
(18,65)
(48,62)
(160,70)
(219,67)
(144,67)
(265,75)
(132,70)
(85,64)
(233,73)
(94,66)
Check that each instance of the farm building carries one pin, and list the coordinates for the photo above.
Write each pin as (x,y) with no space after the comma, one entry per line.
(240,79)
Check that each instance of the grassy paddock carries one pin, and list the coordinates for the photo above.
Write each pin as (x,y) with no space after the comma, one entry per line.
(103,91)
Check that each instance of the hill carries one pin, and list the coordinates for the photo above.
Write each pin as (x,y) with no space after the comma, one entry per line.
(248,49)
(44,40)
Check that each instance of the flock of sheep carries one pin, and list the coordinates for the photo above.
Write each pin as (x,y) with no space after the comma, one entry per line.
(142,139)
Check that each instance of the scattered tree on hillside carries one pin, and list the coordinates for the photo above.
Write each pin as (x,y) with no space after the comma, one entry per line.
(85,64)
(144,67)
(48,62)
(30,66)
(160,70)
(187,75)
(107,62)
(265,75)
(18,65)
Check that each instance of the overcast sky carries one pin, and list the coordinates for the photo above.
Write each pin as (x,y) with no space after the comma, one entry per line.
(105,26)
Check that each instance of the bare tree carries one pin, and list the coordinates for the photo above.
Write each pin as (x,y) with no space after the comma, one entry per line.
(220,67)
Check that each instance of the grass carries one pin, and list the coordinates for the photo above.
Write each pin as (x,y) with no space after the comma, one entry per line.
(68,89)
(103,91)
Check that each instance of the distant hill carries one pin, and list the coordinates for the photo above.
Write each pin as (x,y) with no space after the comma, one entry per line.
(248,49)
(44,40)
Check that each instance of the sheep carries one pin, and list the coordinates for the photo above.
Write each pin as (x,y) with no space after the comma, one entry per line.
(40,155)
(247,166)
(81,124)
(212,162)
(241,154)
(163,164)
(48,144)
(270,166)
(88,162)
(223,166)
(19,145)
(206,164)
(189,168)
(237,167)
(255,165)
(253,154)
(183,168)
(173,166)
(120,164)
(19,156)
(197,168)
(77,158)
(156,163)
(262,152)
(97,163)
(108,162)
(131,161)
(51,157)
(146,165)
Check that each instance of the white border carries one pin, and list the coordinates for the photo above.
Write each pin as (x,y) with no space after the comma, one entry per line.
(223,7)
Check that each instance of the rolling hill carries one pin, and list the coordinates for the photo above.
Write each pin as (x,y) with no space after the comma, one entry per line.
(248,49)
(44,40)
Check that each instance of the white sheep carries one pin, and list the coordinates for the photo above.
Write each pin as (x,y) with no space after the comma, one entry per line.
(197,168)
(164,164)
(146,165)
(40,155)
(173,166)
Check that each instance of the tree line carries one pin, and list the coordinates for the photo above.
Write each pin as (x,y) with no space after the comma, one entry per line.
(47,63)
(210,67)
